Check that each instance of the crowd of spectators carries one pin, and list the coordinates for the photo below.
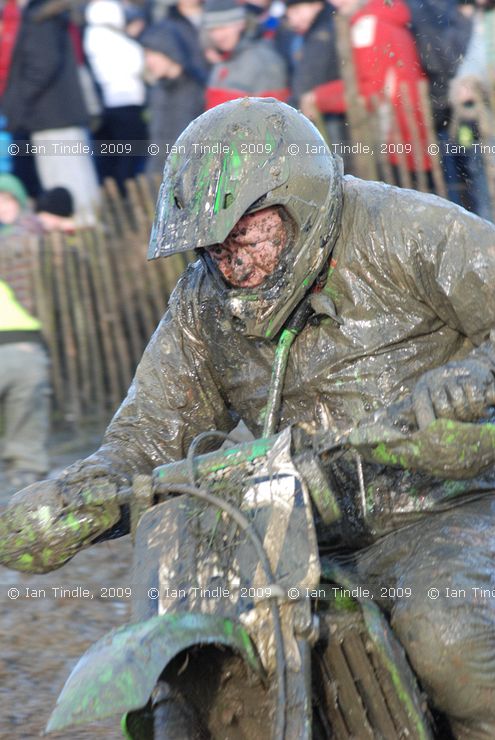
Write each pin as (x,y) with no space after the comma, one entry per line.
(118,72)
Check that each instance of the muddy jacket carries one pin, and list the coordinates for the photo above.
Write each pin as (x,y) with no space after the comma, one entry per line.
(412,284)
(412,281)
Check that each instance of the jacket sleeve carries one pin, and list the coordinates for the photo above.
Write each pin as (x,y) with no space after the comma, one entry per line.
(173,397)
(462,276)
(449,262)
(330,96)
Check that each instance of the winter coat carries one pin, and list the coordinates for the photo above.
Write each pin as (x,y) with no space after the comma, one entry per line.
(412,283)
(116,60)
(195,62)
(442,34)
(254,68)
(43,90)
(173,104)
(316,62)
(385,59)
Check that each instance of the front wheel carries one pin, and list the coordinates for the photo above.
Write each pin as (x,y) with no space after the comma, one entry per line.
(173,717)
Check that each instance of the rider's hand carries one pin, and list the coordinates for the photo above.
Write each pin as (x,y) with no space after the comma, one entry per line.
(22,522)
(462,390)
(45,524)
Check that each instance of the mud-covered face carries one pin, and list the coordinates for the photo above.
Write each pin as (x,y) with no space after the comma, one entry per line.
(251,251)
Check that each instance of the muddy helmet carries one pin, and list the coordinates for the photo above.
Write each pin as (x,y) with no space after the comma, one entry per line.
(243,156)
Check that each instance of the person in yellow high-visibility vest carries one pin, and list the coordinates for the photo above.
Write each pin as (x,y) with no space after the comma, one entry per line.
(24,381)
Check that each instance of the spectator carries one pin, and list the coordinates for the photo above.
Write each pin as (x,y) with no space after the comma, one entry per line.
(315,58)
(117,62)
(23,167)
(157,10)
(43,98)
(188,16)
(177,92)
(273,25)
(136,20)
(470,97)
(243,63)
(442,33)
(55,210)
(24,383)
(385,60)
(15,216)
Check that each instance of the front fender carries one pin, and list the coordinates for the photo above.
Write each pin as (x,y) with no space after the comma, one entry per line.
(118,673)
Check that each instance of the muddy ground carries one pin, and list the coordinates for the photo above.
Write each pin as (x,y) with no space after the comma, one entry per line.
(42,638)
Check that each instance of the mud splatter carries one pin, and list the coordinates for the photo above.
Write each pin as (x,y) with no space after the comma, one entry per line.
(251,251)
(43,638)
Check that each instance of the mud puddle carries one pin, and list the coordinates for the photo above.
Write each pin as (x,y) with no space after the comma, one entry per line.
(44,631)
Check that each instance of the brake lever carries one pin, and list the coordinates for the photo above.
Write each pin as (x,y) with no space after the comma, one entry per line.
(387,424)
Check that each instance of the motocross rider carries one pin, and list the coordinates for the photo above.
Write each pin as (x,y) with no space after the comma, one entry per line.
(407,305)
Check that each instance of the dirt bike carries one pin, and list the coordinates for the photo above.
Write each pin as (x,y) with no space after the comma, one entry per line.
(240,628)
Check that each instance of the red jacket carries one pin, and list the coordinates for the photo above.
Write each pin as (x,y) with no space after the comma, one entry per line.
(385,58)
(10,23)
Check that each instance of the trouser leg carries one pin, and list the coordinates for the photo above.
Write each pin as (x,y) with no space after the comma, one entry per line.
(26,406)
(449,638)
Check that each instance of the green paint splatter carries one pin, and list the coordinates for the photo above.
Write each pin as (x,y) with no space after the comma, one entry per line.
(25,560)
(73,522)
(342,602)
(221,186)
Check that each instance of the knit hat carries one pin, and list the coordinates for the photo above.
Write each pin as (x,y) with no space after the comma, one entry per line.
(165,38)
(11,184)
(57,201)
(222,13)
